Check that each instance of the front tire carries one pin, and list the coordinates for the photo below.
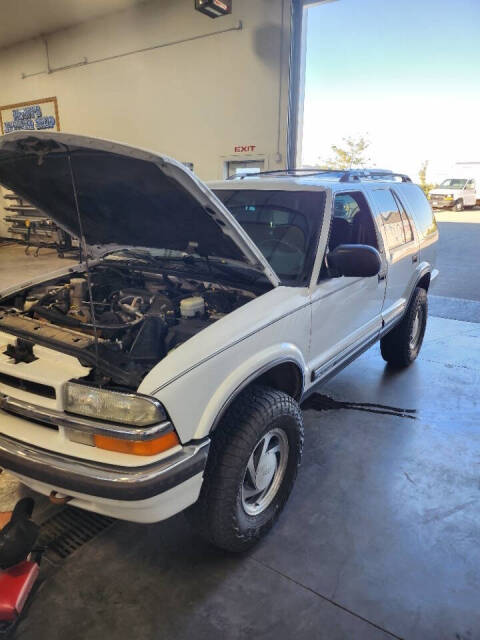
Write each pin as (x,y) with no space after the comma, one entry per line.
(402,344)
(251,469)
(459,206)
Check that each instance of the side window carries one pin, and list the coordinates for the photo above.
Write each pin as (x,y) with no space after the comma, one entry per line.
(407,227)
(421,210)
(352,221)
(471,184)
(391,216)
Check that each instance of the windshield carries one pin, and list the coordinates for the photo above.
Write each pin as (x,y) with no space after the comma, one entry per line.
(283,224)
(453,183)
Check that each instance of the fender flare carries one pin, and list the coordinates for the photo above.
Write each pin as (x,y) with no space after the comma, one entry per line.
(424,268)
(238,381)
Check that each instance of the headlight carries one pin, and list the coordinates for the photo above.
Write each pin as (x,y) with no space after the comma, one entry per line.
(112,406)
(449,197)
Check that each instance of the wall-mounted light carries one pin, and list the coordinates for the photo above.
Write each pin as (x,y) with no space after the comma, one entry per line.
(214,8)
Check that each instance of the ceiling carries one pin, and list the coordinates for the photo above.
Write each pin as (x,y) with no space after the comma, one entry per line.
(25,19)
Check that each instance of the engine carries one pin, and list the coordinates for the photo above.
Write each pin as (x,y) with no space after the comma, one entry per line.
(131,319)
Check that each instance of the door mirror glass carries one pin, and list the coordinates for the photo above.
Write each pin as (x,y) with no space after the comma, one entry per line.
(354,261)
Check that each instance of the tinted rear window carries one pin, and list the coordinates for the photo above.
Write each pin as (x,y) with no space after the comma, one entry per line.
(421,210)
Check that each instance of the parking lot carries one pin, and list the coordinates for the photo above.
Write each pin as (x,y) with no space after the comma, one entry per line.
(458,255)
(379,540)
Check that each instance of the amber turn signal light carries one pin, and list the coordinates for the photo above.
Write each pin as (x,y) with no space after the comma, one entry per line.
(138,447)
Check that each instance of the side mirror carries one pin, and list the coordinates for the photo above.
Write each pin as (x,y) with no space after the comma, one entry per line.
(354,261)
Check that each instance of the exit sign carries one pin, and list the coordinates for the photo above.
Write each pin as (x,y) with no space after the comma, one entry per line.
(244,148)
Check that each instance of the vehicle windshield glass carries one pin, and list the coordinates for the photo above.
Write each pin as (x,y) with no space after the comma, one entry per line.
(283,224)
(453,183)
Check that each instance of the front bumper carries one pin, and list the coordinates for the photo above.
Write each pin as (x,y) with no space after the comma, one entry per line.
(441,203)
(67,474)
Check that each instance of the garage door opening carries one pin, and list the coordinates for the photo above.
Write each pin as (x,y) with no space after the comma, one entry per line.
(383,82)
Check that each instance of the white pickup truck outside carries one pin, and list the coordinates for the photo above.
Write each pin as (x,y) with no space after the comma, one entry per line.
(456,193)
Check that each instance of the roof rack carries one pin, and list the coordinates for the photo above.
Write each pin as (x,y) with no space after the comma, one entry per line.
(280,173)
(344,175)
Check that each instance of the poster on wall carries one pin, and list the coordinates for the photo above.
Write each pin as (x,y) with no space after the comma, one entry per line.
(35,115)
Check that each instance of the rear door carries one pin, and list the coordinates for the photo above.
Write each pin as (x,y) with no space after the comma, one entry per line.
(401,250)
(346,312)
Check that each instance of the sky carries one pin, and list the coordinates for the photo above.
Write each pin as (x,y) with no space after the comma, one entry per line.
(403,73)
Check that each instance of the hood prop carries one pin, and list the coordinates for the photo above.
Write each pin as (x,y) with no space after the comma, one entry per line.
(84,249)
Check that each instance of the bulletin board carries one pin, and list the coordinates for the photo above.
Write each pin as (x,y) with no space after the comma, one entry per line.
(35,115)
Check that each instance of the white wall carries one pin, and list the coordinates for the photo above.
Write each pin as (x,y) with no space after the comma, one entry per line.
(194,101)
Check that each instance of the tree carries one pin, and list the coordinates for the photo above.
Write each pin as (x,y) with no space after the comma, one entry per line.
(350,155)
(422,176)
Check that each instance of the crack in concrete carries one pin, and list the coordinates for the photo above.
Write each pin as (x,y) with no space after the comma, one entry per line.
(321,402)
(433,515)
(409,478)
(326,598)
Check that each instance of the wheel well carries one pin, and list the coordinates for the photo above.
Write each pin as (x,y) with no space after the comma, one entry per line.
(424,282)
(286,377)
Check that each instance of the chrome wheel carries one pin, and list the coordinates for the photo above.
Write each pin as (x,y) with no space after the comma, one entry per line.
(265,471)
(416,329)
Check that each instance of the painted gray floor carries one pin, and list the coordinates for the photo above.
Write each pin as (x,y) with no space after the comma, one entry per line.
(379,539)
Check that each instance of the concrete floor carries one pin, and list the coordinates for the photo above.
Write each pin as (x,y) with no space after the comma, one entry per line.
(379,539)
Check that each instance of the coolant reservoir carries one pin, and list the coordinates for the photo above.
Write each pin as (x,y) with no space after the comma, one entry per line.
(191,307)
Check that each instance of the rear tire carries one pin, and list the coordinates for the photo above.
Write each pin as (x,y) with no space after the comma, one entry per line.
(402,344)
(243,458)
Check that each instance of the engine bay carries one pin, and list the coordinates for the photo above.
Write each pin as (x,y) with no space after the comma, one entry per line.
(120,321)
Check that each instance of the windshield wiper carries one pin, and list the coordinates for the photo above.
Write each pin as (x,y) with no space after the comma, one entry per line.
(145,256)
(233,272)
(245,273)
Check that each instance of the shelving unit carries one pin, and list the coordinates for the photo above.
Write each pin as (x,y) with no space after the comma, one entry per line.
(30,226)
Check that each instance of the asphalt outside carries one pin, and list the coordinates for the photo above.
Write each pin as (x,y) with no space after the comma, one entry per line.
(379,538)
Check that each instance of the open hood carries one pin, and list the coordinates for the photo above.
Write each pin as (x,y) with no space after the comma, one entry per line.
(127,197)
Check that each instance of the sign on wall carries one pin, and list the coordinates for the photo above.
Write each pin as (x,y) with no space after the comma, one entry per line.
(244,148)
(36,115)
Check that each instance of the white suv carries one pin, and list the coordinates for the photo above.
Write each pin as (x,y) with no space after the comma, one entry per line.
(166,371)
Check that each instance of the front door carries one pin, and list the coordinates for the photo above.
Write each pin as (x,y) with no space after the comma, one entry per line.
(346,312)
(470,198)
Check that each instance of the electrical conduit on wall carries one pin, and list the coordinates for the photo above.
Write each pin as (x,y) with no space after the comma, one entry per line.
(86,61)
